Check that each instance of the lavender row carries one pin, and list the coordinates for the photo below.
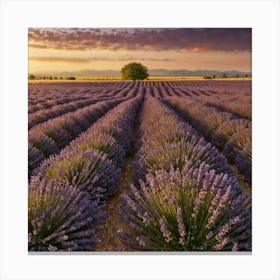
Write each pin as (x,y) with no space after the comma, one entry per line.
(194,89)
(241,91)
(50,137)
(41,91)
(34,106)
(58,110)
(238,102)
(50,94)
(237,107)
(206,88)
(90,164)
(98,152)
(226,131)
(44,96)
(184,203)
(55,111)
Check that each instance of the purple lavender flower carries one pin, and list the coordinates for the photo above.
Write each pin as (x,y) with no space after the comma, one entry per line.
(164,230)
(181,225)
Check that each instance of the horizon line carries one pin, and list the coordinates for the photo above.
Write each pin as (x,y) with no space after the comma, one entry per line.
(155,69)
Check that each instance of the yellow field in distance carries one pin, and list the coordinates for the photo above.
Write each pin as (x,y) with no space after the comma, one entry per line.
(151,78)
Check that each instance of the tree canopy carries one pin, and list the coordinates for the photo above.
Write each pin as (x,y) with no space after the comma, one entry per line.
(134,71)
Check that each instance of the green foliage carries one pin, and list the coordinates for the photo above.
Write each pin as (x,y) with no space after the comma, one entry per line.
(134,71)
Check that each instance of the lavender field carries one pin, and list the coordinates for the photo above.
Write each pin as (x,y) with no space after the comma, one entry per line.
(140,166)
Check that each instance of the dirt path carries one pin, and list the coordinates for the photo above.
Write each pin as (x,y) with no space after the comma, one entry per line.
(110,238)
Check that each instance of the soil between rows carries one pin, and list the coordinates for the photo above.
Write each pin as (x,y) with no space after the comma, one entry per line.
(110,238)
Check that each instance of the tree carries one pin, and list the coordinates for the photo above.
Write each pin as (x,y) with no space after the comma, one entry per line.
(134,71)
(31,77)
(224,75)
(70,78)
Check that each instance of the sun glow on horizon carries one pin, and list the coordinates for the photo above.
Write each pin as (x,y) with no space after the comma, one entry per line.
(110,50)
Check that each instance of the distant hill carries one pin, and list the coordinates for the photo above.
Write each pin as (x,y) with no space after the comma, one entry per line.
(152,72)
(198,73)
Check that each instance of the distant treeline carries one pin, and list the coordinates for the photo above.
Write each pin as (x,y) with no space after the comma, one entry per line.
(33,77)
(227,76)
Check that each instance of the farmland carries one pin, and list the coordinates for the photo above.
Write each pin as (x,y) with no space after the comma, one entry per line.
(140,166)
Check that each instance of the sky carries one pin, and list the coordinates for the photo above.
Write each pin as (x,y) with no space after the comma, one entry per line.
(74,49)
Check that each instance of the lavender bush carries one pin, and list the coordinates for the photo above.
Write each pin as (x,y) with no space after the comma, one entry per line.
(122,137)
(43,143)
(227,129)
(236,143)
(87,170)
(244,160)
(187,210)
(61,217)
(214,120)
(104,143)
(59,135)
(176,154)
(35,156)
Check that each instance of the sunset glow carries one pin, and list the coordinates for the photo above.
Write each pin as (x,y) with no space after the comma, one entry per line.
(102,49)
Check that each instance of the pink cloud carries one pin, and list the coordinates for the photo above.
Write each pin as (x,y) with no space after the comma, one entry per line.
(193,39)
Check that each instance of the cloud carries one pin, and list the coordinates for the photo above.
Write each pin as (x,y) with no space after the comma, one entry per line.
(91,59)
(59,59)
(160,39)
